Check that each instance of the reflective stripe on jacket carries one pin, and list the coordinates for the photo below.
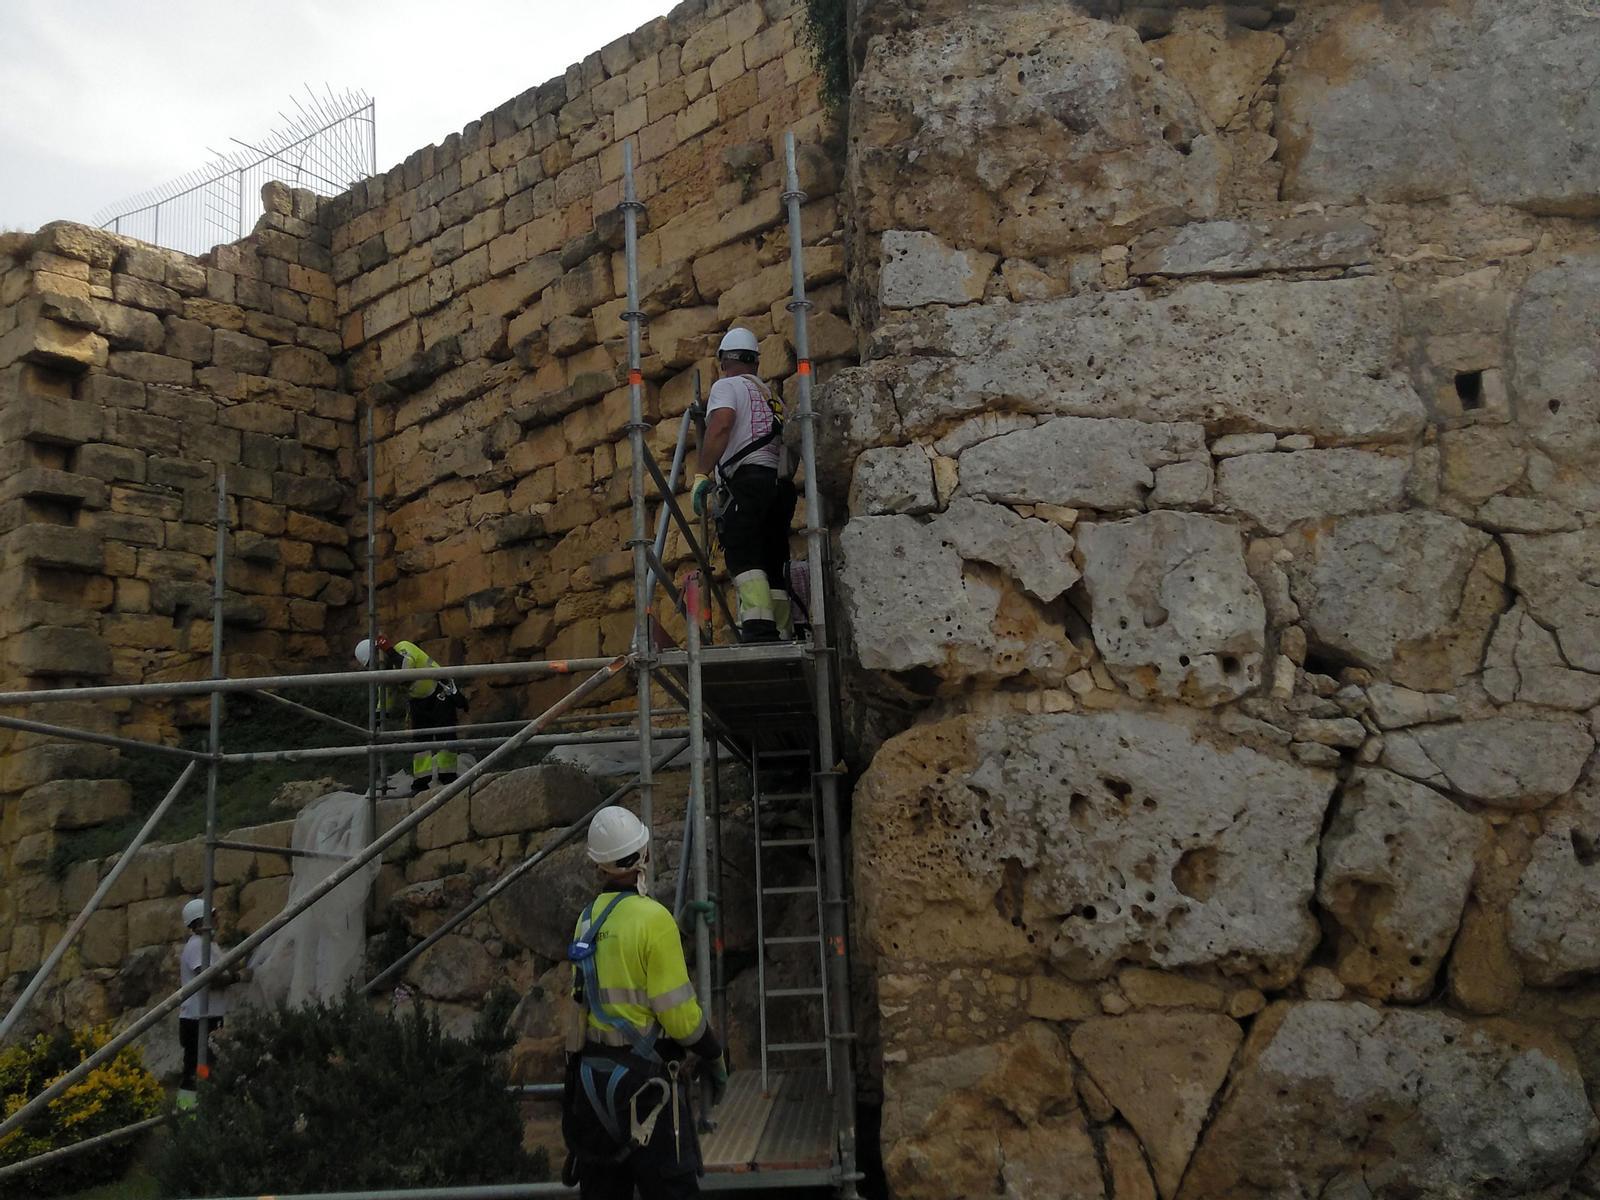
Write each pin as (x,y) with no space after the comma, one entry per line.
(643,977)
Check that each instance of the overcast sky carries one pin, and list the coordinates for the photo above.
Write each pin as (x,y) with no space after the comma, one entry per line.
(101,99)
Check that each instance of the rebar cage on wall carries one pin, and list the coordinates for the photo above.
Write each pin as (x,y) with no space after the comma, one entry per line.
(328,144)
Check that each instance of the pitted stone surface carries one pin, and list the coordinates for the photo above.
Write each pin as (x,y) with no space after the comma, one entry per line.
(1093,839)
(1176,614)
(1552,924)
(1078,462)
(1507,761)
(1037,554)
(911,601)
(1555,348)
(1276,490)
(1412,595)
(1397,861)
(1391,1103)
(892,479)
(919,269)
(1394,106)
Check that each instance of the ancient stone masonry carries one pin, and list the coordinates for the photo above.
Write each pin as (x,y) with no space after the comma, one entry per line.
(1217,557)
(482,290)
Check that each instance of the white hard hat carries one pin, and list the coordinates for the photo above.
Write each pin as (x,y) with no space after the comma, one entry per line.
(364,651)
(614,834)
(739,339)
(194,911)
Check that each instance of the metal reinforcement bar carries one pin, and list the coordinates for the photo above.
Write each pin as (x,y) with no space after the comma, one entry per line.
(102,1139)
(570,834)
(573,738)
(286,851)
(373,850)
(101,739)
(100,893)
(204,687)
(836,923)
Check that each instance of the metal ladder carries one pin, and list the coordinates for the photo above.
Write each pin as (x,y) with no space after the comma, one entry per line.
(769,761)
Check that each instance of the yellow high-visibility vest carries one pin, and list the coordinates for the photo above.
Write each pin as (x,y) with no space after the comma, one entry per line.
(642,974)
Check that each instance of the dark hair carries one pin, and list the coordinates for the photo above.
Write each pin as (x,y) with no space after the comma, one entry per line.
(622,864)
(749,357)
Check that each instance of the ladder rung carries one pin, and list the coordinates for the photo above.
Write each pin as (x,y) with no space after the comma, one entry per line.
(797,1046)
(804,939)
(788,891)
(797,992)
(794,841)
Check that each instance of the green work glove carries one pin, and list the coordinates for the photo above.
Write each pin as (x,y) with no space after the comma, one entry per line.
(699,496)
(717,1072)
(702,908)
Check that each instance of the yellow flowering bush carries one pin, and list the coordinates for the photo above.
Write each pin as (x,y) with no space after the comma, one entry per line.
(116,1093)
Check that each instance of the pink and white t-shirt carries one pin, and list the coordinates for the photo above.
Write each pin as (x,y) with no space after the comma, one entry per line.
(751,404)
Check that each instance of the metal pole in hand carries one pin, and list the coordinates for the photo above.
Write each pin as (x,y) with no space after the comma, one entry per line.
(643,650)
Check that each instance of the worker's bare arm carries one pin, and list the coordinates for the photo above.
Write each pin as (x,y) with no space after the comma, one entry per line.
(719,427)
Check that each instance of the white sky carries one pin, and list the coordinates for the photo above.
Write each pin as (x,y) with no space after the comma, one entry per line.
(101,99)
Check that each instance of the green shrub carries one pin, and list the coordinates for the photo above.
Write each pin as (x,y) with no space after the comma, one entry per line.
(827,32)
(338,1097)
(116,1093)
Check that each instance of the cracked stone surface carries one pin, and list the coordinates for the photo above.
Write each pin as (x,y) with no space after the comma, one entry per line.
(1391,1103)
(1525,664)
(1558,578)
(1397,861)
(1175,612)
(1091,839)
(892,479)
(1552,924)
(1037,554)
(1506,761)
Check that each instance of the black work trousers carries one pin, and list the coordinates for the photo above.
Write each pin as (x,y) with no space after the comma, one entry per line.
(189,1039)
(667,1168)
(754,522)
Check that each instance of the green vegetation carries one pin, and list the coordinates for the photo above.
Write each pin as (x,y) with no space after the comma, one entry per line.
(116,1093)
(341,1096)
(827,32)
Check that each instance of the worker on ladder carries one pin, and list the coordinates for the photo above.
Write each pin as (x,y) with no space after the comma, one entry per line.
(755,494)
(626,1114)
(430,704)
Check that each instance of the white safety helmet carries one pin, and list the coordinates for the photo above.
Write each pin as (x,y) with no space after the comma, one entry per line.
(614,834)
(194,911)
(364,651)
(739,341)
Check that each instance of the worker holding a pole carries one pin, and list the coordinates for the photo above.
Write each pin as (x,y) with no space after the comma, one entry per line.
(201,1014)
(429,703)
(626,1113)
(755,494)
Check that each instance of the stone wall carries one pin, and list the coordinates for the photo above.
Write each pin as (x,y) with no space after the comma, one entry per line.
(482,285)
(129,376)
(1218,568)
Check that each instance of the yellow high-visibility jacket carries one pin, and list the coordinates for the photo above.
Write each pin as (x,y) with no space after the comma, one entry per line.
(414,658)
(643,977)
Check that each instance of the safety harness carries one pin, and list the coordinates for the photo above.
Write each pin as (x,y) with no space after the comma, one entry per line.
(591,1073)
(726,468)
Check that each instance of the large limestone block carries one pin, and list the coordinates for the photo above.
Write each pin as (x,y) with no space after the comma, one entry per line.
(1397,862)
(892,479)
(1277,490)
(454,968)
(1346,1100)
(1551,920)
(920,269)
(1248,248)
(1078,462)
(912,602)
(1312,357)
(1176,614)
(1160,1071)
(1555,356)
(1507,761)
(1524,663)
(995,1120)
(1037,554)
(1489,98)
(1093,839)
(1558,578)
(1409,595)
(540,797)
(1047,132)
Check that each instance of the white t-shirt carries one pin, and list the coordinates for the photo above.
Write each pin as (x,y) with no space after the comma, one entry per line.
(751,403)
(188,968)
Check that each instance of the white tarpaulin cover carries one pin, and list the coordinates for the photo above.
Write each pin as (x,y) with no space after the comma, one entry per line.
(319,954)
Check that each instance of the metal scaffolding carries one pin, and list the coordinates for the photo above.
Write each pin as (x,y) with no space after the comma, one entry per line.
(767,705)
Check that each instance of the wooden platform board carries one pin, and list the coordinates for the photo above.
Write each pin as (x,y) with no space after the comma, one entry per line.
(788,1127)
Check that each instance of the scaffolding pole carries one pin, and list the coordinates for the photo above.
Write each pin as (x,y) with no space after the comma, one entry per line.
(842,1033)
(213,769)
(101,739)
(695,825)
(103,1139)
(377,777)
(573,738)
(124,860)
(643,638)
(317,714)
(373,850)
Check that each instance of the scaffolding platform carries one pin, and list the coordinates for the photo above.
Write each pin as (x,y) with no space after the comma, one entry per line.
(755,688)
(787,1127)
